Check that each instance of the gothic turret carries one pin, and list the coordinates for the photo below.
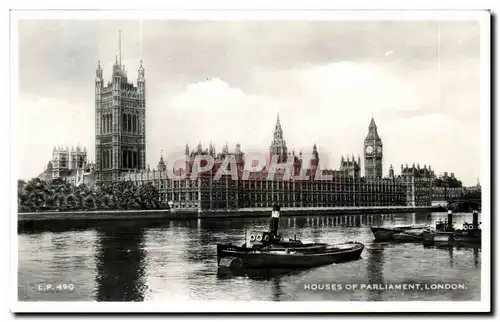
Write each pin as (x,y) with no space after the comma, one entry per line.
(315,152)
(391,172)
(140,72)
(161,164)
(278,145)
(98,71)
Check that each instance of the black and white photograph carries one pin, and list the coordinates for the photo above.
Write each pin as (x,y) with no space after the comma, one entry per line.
(202,161)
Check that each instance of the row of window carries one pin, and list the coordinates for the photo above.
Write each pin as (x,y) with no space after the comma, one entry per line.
(107,123)
(130,123)
(253,204)
(130,159)
(169,184)
(107,159)
(298,198)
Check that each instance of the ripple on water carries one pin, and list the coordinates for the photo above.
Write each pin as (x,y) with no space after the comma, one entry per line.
(177,261)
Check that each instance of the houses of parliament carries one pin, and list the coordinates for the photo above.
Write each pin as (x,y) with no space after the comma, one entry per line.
(120,154)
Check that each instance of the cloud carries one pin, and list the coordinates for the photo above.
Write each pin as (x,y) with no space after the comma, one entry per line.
(48,122)
(331,108)
(226,81)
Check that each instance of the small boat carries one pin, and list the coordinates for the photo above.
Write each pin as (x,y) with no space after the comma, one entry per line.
(388,233)
(445,233)
(269,250)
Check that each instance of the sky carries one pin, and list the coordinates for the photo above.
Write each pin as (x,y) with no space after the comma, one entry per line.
(226,81)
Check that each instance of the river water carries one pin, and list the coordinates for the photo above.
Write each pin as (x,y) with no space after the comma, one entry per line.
(176,260)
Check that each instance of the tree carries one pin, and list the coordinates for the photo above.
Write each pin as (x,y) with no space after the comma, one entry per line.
(71,201)
(89,203)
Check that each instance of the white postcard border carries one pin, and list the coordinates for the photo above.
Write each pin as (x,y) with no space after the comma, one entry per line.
(259,306)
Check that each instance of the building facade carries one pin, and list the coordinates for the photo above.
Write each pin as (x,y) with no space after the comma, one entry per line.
(418,182)
(345,188)
(60,161)
(64,159)
(205,191)
(120,122)
(71,165)
(447,187)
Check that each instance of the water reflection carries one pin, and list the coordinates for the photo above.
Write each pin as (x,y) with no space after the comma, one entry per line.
(476,257)
(120,258)
(459,249)
(257,273)
(375,270)
(176,260)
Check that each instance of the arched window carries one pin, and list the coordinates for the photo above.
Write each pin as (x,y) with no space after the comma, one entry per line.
(124,122)
(136,160)
(123,158)
(134,129)
(129,121)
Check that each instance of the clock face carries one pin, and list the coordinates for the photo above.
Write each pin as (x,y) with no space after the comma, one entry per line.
(369,149)
(379,149)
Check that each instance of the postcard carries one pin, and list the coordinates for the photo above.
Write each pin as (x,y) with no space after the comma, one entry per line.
(251,161)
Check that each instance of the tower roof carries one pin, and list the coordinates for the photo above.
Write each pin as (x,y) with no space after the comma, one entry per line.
(278,131)
(278,123)
(372,131)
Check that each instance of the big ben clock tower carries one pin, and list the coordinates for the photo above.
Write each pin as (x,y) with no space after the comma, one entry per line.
(373,152)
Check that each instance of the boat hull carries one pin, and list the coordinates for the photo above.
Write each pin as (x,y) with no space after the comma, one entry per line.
(389,233)
(384,234)
(404,237)
(452,238)
(229,255)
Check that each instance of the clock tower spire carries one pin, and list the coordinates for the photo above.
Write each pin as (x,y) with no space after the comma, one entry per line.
(373,149)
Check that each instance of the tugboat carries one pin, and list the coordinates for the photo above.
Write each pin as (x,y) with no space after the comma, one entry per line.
(269,250)
(445,233)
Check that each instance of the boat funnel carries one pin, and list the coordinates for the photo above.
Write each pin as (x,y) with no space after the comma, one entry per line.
(275,219)
(450,220)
